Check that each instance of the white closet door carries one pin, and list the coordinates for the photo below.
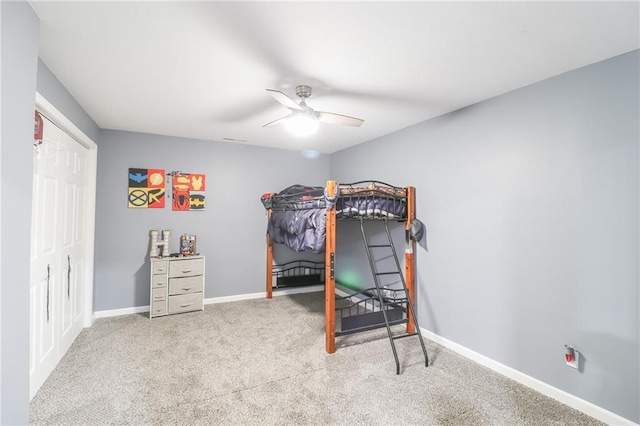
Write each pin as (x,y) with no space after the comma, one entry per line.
(74,163)
(46,270)
(58,250)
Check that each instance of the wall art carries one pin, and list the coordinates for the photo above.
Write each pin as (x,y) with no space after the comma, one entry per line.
(188,191)
(147,188)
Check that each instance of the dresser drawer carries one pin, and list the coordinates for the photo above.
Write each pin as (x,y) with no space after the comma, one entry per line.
(159,308)
(158,266)
(158,281)
(158,294)
(185,285)
(185,302)
(186,267)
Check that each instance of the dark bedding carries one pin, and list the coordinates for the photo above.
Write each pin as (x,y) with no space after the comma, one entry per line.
(298,217)
(300,230)
(370,207)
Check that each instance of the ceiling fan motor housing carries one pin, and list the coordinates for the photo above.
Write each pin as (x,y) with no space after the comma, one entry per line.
(303,91)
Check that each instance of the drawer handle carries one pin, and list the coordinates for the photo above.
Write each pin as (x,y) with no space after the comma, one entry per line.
(187,288)
(185,305)
(186,271)
(159,297)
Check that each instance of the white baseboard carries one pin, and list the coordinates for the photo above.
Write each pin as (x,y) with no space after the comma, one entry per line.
(262,295)
(138,309)
(118,312)
(278,292)
(341,293)
(566,398)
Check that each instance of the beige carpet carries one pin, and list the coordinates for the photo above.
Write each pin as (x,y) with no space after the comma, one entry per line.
(263,362)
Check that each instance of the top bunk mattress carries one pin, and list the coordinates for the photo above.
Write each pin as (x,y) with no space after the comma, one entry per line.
(364,199)
(298,212)
(371,200)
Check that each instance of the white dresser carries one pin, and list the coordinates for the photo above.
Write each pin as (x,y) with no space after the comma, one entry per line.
(177,285)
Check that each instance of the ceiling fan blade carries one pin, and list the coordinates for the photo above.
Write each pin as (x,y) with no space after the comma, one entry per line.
(277,122)
(342,120)
(284,100)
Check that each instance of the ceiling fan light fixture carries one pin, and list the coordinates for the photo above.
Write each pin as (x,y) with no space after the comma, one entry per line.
(303,120)
(301,124)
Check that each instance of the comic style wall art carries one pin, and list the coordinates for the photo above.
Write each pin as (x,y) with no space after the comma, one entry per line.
(147,188)
(188,191)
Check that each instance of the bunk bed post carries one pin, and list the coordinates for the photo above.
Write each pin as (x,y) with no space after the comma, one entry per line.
(269,260)
(409,259)
(329,276)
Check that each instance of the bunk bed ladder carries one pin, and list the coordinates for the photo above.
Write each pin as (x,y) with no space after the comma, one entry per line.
(382,299)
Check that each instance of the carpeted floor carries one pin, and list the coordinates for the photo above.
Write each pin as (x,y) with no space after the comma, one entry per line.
(263,362)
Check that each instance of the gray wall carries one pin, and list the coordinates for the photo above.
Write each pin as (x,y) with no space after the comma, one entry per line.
(20,29)
(531,204)
(53,91)
(531,200)
(230,232)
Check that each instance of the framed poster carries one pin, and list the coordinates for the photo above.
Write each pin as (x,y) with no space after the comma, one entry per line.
(188,191)
(147,188)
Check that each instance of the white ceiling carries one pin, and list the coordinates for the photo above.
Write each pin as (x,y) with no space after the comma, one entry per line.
(200,69)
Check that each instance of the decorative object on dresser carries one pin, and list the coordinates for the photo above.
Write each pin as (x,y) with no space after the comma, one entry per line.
(166,239)
(188,245)
(177,285)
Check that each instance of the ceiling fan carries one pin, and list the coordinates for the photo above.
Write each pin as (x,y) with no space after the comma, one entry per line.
(303,120)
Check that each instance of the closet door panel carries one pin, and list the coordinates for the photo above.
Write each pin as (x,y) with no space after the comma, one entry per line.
(72,299)
(47,217)
(66,317)
(47,343)
(67,240)
(77,292)
(74,210)
(58,250)
(79,232)
(45,264)
(44,329)
(67,214)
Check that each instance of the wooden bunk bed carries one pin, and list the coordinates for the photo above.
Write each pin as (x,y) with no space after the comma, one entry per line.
(305,218)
